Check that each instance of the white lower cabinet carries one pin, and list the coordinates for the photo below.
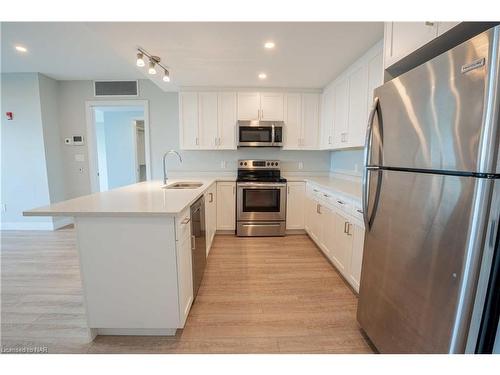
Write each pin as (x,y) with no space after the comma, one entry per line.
(184,265)
(295,205)
(210,215)
(226,205)
(339,235)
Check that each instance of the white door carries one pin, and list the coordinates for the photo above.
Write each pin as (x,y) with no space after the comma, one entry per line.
(227,121)
(208,120)
(327,103)
(358,97)
(293,121)
(295,205)
(248,106)
(188,111)
(271,106)
(310,121)
(341,113)
(226,205)
(409,36)
(358,238)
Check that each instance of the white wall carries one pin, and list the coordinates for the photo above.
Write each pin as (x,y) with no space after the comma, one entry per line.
(164,135)
(24,172)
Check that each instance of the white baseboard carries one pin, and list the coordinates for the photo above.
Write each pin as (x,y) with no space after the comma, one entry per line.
(136,331)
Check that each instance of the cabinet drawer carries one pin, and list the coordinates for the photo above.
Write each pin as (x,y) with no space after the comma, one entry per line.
(183,225)
(357,212)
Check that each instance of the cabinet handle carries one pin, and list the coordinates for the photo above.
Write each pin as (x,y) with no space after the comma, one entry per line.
(329,139)
(193,242)
(186,220)
(197,141)
(345,227)
(428,23)
(340,202)
(349,229)
(262,114)
(318,208)
(288,189)
(326,195)
(211,195)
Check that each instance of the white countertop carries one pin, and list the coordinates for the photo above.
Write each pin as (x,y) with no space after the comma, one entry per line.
(149,198)
(141,199)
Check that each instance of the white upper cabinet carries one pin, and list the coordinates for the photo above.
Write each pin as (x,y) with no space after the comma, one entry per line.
(271,106)
(207,120)
(402,38)
(188,116)
(346,101)
(260,106)
(326,131)
(248,106)
(310,121)
(227,121)
(341,113)
(358,94)
(301,121)
(293,121)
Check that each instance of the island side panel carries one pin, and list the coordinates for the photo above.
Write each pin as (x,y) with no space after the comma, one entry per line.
(129,274)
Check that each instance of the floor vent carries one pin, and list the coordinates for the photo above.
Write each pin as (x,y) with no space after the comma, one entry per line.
(116,88)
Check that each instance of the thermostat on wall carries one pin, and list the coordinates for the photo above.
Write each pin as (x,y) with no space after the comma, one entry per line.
(76,140)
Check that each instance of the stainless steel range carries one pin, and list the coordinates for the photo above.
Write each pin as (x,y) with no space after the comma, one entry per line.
(260,199)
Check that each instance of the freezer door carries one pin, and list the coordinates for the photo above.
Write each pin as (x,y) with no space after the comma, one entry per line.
(413,260)
(436,116)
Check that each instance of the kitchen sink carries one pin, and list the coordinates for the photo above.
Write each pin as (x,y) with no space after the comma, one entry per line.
(184,185)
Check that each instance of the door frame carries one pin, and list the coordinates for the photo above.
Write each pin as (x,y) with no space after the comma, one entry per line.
(91,135)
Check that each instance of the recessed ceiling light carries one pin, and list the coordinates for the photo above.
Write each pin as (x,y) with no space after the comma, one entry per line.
(262,75)
(269,45)
(21,49)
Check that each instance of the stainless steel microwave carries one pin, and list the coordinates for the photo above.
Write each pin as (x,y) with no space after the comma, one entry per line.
(260,133)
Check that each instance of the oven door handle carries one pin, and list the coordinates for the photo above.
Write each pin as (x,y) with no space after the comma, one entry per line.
(256,185)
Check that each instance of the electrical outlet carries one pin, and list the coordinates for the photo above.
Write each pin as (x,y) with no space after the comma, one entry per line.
(356,167)
(301,165)
(4,207)
(80,169)
(223,164)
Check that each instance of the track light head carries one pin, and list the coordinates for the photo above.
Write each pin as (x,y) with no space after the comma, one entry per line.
(140,59)
(152,69)
(166,76)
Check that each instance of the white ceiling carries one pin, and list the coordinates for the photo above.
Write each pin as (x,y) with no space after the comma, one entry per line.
(307,54)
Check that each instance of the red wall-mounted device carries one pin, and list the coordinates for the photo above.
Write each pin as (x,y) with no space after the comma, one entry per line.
(9,115)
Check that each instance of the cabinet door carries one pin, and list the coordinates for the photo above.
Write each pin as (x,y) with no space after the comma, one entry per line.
(375,79)
(443,27)
(248,106)
(315,226)
(226,205)
(188,112)
(184,275)
(341,251)
(227,121)
(341,113)
(327,103)
(271,106)
(358,96)
(310,121)
(211,214)
(326,222)
(295,205)
(208,120)
(358,238)
(410,36)
(293,120)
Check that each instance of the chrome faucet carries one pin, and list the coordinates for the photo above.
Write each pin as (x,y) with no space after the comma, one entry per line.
(165,165)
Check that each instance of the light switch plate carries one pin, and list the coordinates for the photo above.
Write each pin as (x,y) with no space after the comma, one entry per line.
(301,165)
(223,164)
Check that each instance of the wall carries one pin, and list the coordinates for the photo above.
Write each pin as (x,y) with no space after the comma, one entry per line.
(24,172)
(349,162)
(164,135)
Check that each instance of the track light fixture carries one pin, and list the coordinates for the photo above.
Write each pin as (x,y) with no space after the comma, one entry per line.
(154,61)
(140,59)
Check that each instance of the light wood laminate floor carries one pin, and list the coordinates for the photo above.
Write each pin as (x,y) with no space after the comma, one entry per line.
(258,295)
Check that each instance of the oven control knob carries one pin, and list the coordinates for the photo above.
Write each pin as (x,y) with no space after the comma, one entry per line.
(241,163)
(268,164)
(245,163)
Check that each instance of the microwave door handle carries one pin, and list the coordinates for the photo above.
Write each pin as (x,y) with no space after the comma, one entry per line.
(272,134)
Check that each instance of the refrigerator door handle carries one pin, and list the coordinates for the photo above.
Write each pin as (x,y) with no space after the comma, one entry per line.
(368,147)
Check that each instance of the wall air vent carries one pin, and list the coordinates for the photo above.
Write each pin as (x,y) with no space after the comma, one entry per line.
(116,88)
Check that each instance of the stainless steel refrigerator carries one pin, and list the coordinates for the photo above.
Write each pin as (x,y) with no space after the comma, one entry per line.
(431,200)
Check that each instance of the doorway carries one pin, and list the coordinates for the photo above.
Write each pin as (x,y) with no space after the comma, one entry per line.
(118,135)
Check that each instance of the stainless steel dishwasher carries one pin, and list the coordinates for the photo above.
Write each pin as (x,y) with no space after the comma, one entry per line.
(198,242)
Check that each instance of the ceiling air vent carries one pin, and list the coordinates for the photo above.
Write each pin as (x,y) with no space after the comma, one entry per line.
(116,88)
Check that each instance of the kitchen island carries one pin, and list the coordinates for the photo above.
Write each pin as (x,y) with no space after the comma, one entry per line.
(134,245)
